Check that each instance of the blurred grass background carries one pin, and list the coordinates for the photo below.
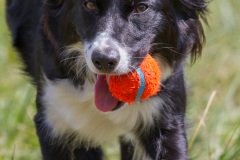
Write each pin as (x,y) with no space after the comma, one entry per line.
(217,70)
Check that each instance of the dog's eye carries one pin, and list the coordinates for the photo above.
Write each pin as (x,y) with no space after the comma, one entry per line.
(141,8)
(91,6)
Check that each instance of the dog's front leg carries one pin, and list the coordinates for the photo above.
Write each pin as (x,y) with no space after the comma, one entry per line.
(127,149)
(59,149)
(166,141)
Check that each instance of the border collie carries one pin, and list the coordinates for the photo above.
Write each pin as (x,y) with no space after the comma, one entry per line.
(66,45)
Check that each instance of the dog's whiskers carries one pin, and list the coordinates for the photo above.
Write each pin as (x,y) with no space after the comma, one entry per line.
(165,46)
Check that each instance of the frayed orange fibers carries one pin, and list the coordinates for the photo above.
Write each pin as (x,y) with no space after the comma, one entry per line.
(125,87)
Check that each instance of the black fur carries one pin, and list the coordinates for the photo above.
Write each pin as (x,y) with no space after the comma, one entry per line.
(169,31)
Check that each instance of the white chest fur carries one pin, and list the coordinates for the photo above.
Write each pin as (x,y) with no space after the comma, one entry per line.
(72,110)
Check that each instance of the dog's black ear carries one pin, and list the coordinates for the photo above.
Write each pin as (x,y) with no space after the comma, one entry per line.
(22,15)
(190,26)
(57,22)
(22,18)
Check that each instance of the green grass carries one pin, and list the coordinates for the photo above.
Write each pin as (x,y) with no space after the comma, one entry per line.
(217,70)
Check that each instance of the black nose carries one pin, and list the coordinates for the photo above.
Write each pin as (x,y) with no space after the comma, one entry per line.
(105,61)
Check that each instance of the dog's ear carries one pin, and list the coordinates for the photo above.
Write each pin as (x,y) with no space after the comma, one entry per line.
(192,38)
(57,22)
(190,26)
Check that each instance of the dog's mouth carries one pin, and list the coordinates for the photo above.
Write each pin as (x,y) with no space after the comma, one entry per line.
(104,100)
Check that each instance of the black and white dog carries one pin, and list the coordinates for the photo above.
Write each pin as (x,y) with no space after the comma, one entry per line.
(66,45)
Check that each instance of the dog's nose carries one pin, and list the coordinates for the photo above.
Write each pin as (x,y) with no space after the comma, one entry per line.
(105,62)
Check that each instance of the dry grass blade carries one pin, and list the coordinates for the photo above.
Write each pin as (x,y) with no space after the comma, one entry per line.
(230,140)
(203,117)
(13,152)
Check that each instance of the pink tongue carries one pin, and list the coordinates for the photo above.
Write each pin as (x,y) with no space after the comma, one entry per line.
(104,100)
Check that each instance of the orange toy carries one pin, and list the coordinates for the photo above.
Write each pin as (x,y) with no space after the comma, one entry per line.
(137,85)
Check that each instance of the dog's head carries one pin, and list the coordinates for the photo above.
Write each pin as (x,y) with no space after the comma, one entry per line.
(113,36)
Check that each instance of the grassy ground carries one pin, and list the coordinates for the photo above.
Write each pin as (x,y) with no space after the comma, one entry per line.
(218,70)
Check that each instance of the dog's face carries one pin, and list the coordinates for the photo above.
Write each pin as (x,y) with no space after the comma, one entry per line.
(117,34)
